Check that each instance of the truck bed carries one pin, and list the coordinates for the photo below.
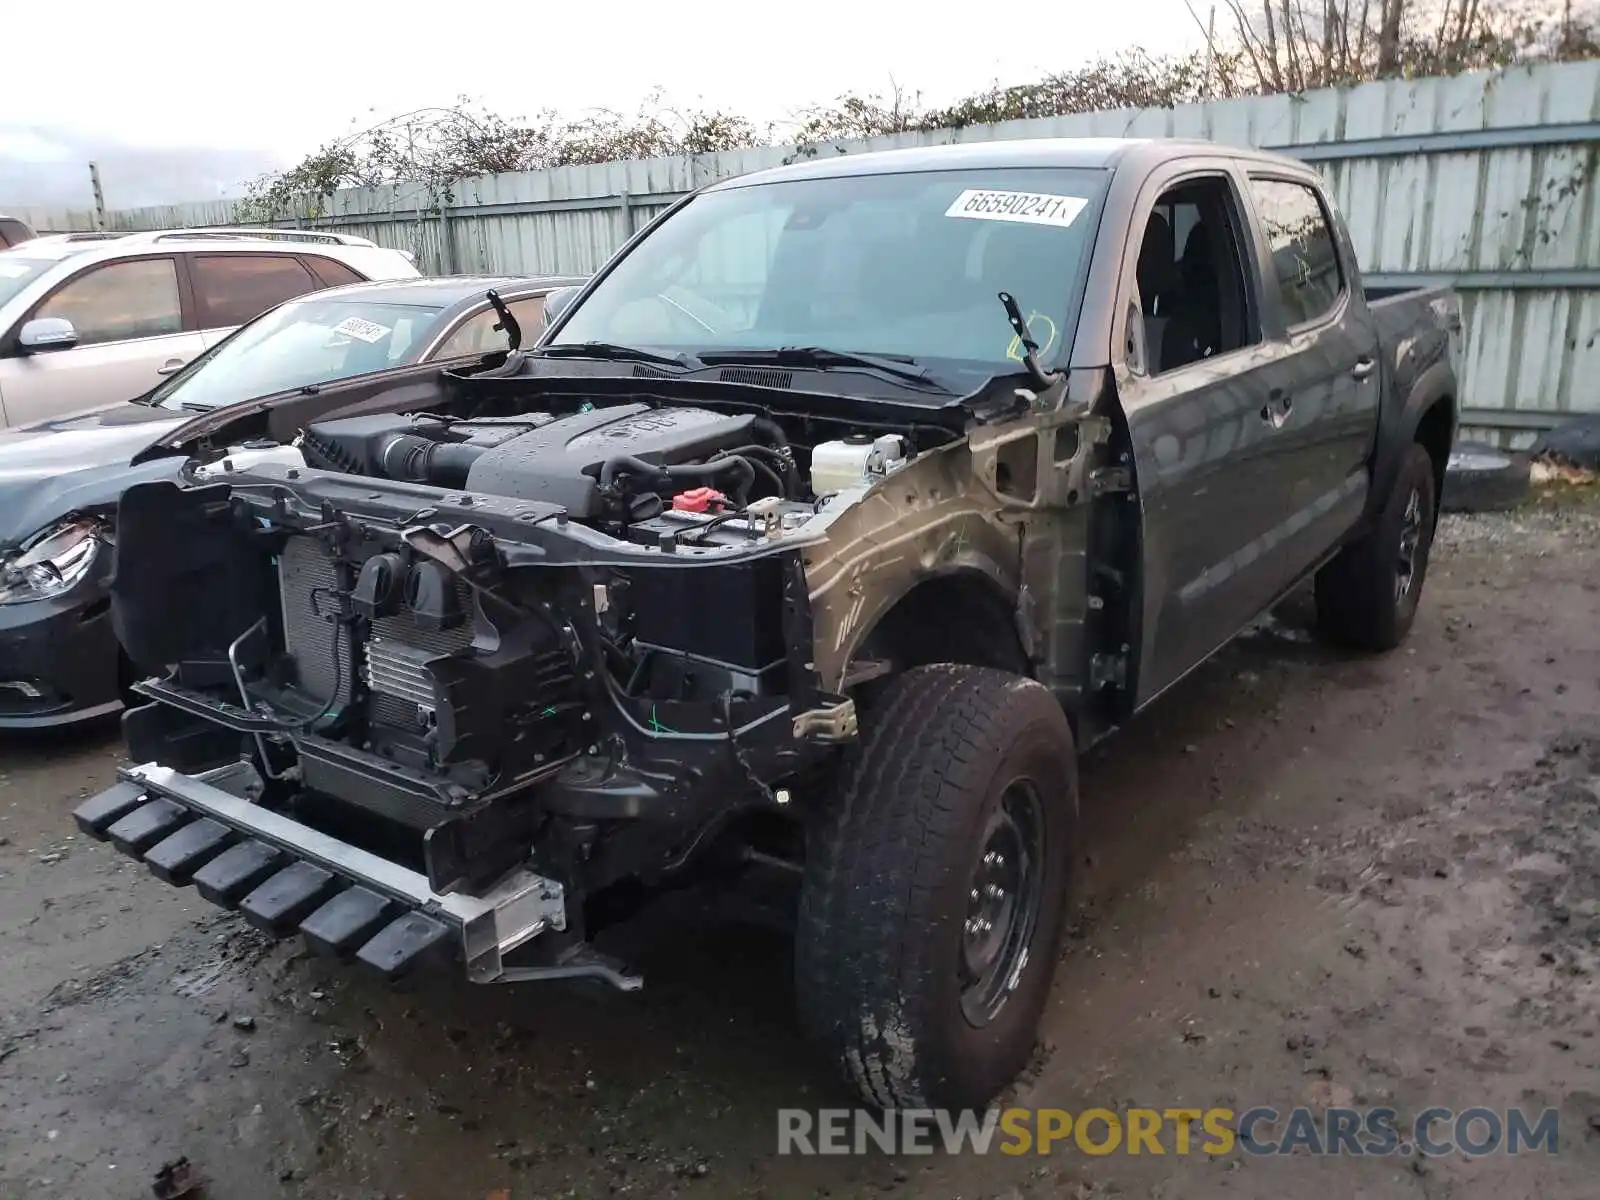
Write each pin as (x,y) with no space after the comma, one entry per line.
(1415,327)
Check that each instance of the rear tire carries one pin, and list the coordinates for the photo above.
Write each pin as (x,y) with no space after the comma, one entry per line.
(935,889)
(1367,596)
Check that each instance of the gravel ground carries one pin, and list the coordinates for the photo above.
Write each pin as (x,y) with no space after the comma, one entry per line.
(1308,879)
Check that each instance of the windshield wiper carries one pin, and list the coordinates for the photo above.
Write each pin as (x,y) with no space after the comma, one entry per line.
(1040,378)
(611,351)
(898,366)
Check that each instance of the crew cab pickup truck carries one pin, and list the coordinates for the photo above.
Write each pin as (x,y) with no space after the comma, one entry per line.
(819,532)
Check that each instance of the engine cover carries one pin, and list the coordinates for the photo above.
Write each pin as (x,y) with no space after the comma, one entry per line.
(560,462)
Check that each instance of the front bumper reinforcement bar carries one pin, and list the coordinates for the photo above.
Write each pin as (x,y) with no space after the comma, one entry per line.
(286,877)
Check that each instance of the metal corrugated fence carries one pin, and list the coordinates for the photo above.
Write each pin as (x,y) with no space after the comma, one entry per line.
(1484,181)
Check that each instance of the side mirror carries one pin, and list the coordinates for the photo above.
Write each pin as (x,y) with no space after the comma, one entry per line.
(47,333)
(557,302)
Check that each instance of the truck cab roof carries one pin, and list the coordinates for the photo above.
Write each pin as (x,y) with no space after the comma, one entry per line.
(1073,153)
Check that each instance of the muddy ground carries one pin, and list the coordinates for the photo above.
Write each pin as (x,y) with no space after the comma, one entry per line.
(1309,878)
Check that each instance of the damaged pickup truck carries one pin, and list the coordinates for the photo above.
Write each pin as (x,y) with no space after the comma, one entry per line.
(822,529)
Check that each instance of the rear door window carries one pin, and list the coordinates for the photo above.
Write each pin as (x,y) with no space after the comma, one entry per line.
(13,232)
(231,289)
(1305,258)
(136,298)
(332,274)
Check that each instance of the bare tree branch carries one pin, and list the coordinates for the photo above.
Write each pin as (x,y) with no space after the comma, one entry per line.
(1280,46)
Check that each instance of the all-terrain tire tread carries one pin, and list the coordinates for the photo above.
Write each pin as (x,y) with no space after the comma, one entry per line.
(1356,605)
(874,863)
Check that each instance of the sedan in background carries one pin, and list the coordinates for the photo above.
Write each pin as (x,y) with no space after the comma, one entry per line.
(60,481)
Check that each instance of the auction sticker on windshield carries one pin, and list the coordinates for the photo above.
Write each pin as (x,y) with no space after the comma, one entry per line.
(363,330)
(1030,208)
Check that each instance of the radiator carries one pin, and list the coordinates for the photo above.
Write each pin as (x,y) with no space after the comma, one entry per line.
(308,583)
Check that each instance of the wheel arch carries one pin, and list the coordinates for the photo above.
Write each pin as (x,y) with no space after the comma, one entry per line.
(1435,431)
(1429,416)
(959,614)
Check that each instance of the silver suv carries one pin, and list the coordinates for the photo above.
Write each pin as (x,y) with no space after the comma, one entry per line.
(89,320)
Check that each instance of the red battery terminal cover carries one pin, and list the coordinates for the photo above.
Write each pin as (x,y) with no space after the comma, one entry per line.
(699,500)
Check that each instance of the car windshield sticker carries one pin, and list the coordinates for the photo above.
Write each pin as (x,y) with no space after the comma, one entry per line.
(362,329)
(1037,322)
(1027,208)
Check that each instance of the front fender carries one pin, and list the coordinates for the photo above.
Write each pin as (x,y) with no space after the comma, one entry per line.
(930,520)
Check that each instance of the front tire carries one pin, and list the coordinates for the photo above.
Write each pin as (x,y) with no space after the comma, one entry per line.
(1367,597)
(935,889)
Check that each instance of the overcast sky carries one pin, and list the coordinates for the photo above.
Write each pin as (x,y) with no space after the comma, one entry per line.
(263,90)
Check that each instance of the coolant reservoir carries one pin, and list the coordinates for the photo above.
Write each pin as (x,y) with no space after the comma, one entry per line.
(854,462)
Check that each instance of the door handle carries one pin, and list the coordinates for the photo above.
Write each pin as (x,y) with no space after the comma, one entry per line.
(1364,367)
(171,367)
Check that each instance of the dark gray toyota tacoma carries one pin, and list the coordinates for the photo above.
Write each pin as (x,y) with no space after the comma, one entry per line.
(821,530)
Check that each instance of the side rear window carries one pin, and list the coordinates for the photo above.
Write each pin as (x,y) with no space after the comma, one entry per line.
(1305,258)
(13,232)
(230,289)
(332,274)
(478,335)
(120,301)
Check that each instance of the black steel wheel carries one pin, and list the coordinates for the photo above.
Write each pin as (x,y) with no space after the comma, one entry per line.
(1006,888)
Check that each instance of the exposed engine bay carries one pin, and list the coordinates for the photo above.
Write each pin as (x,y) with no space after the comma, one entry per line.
(442,635)
(620,465)
(577,649)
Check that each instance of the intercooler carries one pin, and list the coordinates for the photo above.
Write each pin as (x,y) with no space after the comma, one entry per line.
(392,660)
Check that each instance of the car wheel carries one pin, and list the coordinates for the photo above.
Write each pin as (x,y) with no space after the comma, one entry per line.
(1367,596)
(1483,478)
(935,888)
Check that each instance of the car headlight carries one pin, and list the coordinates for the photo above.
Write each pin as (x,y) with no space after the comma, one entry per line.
(53,561)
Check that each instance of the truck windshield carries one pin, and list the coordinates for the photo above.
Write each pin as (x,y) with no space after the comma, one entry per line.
(891,264)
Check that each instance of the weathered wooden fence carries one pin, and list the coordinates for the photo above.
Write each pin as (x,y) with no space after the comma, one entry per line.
(1485,181)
